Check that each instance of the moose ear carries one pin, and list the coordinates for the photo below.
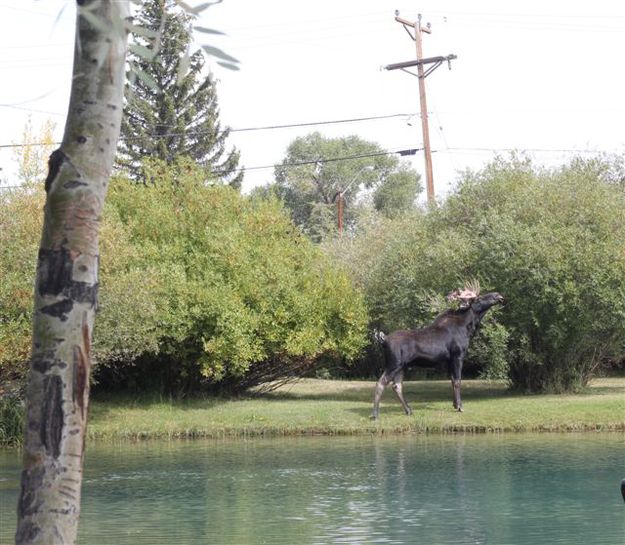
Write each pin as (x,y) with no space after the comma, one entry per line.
(453,295)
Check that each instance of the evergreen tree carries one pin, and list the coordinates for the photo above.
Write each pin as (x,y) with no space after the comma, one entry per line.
(172,108)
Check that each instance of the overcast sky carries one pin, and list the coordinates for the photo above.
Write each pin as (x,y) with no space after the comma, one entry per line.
(545,76)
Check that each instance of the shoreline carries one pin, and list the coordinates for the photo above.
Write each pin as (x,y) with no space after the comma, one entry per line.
(313,407)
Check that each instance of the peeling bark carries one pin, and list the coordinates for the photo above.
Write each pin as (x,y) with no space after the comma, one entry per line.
(67,282)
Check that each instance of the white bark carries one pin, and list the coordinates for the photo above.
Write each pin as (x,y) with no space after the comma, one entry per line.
(67,280)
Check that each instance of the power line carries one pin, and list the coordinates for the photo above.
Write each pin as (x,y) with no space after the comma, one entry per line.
(310,124)
(34,12)
(29,109)
(32,46)
(31,144)
(245,129)
(529,150)
(402,152)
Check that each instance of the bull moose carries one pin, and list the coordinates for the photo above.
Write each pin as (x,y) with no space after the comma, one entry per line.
(444,342)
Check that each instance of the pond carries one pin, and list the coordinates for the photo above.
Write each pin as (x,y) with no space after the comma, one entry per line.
(459,489)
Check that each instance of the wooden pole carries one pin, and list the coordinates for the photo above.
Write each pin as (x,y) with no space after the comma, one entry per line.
(340,214)
(429,177)
(421,74)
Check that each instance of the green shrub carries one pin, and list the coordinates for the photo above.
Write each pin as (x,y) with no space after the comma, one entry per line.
(240,296)
(548,240)
(20,229)
(198,285)
(489,350)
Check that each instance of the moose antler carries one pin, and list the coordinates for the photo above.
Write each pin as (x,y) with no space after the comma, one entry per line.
(473,286)
(464,295)
(470,292)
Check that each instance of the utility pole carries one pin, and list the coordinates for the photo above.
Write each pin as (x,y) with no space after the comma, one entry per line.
(339,197)
(422,73)
(429,178)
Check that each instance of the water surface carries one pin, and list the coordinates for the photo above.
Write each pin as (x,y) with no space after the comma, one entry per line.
(495,489)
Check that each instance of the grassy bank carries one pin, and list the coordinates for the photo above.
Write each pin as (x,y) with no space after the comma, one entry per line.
(342,407)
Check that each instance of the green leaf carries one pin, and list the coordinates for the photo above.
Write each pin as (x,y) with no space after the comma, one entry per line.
(197,9)
(208,30)
(202,7)
(145,78)
(58,16)
(132,77)
(216,52)
(143,52)
(142,31)
(228,65)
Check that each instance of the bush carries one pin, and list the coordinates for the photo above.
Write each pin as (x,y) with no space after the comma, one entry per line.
(405,267)
(201,284)
(20,230)
(241,296)
(548,240)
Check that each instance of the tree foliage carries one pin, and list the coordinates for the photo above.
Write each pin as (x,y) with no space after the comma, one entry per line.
(171,104)
(548,240)
(20,228)
(199,285)
(32,154)
(315,170)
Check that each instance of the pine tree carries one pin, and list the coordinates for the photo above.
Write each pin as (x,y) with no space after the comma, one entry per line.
(166,115)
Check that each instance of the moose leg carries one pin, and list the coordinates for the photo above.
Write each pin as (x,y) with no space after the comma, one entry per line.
(456,387)
(397,387)
(456,379)
(379,389)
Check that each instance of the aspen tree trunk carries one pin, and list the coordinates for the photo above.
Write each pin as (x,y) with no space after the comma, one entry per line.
(67,279)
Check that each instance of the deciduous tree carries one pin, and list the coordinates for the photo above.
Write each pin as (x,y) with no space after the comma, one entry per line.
(66,285)
(317,168)
(32,153)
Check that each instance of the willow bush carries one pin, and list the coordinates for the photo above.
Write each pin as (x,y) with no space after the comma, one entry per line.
(199,285)
(549,240)
(20,229)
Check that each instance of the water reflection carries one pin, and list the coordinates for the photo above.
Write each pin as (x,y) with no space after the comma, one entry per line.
(516,489)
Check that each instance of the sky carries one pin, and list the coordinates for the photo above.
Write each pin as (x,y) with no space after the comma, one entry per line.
(543,76)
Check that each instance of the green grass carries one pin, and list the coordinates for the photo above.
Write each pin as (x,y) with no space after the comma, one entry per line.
(343,407)
(11,420)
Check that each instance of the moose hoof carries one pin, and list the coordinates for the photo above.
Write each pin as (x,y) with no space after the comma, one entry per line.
(373,417)
(460,410)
